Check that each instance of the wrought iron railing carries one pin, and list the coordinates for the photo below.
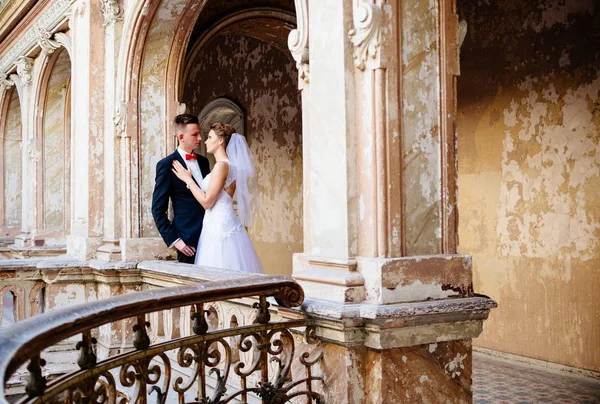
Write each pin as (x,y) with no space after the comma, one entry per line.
(242,363)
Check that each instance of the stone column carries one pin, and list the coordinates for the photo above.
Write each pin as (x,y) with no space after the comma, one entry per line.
(328,265)
(87,219)
(113,25)
(23,79)
(380,268)
(8,235)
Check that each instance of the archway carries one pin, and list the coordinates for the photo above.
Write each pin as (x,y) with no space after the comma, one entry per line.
(11,181)
(254,40)
(54,145)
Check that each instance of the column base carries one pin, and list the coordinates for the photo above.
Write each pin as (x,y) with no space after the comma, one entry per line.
(110,251)
(141,249)
(83,248)
(334,279)
(401,353)
(385,280)
(416,278)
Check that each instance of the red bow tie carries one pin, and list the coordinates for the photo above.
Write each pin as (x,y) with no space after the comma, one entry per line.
(190,156)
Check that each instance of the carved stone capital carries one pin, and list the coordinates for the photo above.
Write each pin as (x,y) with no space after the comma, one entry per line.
(298,41)
(367,34)
(111,11)
(43,39)
(5,82)
(24,69)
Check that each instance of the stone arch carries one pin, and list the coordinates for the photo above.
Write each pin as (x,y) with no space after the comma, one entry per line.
(11,141)
(18,301)
(53,142)
(37,296)
(151,80)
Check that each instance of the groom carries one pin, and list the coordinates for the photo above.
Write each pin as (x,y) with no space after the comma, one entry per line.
(183,233)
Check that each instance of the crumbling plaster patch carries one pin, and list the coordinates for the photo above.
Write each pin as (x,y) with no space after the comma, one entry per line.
(528,172)
(544,209)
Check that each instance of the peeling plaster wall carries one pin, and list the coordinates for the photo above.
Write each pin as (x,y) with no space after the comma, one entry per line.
(55,144)
(529,168)
(263,81)
(152,142)
(420,127)
(12,163)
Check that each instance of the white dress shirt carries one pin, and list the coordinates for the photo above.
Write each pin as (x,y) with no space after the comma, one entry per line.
(192,165)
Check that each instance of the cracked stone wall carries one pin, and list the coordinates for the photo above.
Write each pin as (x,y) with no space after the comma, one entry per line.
(529,168)
(263,81)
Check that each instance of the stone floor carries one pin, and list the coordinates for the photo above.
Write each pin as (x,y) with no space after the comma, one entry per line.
(498,381)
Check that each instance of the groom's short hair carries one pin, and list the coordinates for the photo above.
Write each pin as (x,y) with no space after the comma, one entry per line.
(182,120)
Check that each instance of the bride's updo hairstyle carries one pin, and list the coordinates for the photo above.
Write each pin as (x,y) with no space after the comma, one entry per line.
(223,130)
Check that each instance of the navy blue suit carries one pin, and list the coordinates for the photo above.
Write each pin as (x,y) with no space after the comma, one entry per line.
(188,214)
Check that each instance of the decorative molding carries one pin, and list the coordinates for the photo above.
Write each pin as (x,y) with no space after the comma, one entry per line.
(298,42)
(111,11)
(119,119)
(64,40)
(367,33)
(5,82)
(43,39)
(56,14)
(24,69)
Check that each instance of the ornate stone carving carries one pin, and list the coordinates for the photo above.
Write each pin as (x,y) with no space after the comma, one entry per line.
(24,69)
(43,39)
(5,82)
(298,41)
(56,14)
(111,11)
(119,119)
(367,33)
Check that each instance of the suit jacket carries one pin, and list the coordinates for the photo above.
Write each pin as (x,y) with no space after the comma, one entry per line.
(188,213)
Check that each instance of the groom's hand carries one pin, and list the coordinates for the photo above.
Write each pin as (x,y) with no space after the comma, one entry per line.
(184,248)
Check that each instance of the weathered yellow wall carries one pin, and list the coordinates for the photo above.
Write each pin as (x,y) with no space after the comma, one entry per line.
(263,81)
(529,174)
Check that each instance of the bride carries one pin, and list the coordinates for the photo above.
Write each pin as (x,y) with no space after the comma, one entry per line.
(224,242)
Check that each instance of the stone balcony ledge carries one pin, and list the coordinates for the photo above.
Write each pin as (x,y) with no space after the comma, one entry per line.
(398,325)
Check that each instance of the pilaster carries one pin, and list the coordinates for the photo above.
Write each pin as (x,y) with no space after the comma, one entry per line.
(87,99)
(110,250)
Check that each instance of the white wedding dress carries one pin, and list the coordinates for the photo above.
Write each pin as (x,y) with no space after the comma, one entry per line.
(224,242)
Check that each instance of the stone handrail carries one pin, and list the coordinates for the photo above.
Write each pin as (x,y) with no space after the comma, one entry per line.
(24,343)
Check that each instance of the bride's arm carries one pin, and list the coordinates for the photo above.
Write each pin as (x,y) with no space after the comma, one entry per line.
(217,181)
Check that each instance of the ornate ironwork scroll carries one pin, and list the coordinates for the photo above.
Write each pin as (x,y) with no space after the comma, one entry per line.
(212,365)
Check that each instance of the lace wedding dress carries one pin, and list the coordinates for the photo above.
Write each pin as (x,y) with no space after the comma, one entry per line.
(224,242)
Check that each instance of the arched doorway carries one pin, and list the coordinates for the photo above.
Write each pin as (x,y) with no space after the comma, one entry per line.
(195,54)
